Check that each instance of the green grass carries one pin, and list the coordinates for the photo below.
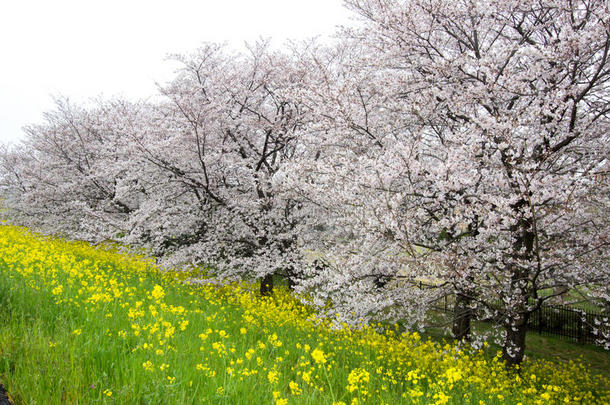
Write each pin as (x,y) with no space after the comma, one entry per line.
(557,349)
(538,346)
(86,326)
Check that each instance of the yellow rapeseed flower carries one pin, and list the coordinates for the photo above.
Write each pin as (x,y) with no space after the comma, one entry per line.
(318,356)
(294,388)
(157,292)
(272,376)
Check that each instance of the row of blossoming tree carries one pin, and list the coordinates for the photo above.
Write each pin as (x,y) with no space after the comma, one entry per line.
(435,149)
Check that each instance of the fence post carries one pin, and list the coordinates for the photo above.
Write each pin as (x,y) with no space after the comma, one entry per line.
(540,320)
(580,334)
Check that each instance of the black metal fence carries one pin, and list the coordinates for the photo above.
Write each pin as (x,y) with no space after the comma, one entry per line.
(557,320)
(568,323)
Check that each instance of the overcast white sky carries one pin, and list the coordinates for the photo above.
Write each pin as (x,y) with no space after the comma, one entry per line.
(85,48)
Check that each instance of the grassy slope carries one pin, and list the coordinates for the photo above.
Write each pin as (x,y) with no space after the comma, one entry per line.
(83,326)
(554,349)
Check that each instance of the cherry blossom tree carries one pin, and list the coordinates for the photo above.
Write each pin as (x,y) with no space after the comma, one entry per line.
(190,174)
(473,153)
(67,176)
(438,149)
(354,122)
(225,128)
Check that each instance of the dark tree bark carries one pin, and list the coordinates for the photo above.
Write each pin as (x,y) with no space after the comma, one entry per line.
(462,316)
(514,346)
(516,323)
(291,277)
(267,285)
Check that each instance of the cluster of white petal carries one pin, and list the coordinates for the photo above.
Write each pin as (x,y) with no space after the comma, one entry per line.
(440,149)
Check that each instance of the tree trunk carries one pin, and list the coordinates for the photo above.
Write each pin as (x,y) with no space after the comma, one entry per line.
(267,285)
(462,315)
(514,345)
(523,251)
(291,283)
(290,276)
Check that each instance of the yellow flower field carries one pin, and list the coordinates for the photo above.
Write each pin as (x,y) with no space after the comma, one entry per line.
(86,325)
